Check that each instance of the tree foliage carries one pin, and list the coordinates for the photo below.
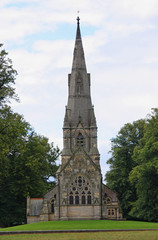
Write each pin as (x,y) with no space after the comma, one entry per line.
(145,175)
(7,78)
(134,168)
(121,163)
(27,161)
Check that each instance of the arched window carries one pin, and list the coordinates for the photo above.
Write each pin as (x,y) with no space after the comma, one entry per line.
(71,199)
(89,199)
(77,199)
(80,140)
(52,206)
(83,199)
(112,211)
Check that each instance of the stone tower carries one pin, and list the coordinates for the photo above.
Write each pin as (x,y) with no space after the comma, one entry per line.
(79,192)
(80,129)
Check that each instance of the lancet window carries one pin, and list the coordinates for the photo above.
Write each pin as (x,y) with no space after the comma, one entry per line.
(52,206)
(80,192)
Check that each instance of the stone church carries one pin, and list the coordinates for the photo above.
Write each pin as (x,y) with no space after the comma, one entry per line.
(79,192)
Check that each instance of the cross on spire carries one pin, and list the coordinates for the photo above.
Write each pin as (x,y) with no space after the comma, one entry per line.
(78,20)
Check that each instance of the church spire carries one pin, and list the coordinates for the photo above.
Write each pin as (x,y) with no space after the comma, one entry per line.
(79,100)
(79,117)
(78,58)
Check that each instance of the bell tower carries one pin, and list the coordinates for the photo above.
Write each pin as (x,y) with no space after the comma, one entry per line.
(80,128)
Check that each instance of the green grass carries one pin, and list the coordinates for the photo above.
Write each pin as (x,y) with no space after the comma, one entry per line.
(153,235)
(83,224)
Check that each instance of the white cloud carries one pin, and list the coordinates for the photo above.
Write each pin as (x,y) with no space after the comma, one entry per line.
(124,30)
(134,8)
(151,60)
(121,55)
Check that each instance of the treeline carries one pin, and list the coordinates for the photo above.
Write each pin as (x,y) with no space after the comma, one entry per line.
(27,160)
(133,170)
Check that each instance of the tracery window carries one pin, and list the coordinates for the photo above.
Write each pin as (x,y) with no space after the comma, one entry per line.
(80,140)
(80,191)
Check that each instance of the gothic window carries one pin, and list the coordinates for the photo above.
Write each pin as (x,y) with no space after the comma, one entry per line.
(80,191)
(71,199)
(83,199)
(109,212)
(112,212)
(77,199)
(52,206)
(80,140)
(89,199)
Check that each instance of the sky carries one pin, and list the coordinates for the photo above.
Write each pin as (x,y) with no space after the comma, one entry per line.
(120,40)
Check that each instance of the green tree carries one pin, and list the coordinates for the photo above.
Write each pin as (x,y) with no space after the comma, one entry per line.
(144,176)
(121,163)
(27,161)
(7,78)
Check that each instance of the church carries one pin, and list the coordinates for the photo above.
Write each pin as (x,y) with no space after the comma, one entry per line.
(79,192)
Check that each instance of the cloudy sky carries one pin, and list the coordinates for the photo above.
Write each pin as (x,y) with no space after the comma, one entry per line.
(120,39)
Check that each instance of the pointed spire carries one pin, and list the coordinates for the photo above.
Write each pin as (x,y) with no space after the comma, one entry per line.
(79,99)
(78,34)
(78,58)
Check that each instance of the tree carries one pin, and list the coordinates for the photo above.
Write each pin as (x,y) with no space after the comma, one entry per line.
(145,174)
(27,161)
(7,78)
(121,163)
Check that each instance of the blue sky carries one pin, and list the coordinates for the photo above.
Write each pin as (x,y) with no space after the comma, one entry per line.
(120,39)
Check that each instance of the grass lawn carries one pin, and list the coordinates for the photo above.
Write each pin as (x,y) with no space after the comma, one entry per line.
(86,236)
(84,224)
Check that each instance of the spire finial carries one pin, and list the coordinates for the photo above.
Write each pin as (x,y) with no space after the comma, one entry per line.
(78,19)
